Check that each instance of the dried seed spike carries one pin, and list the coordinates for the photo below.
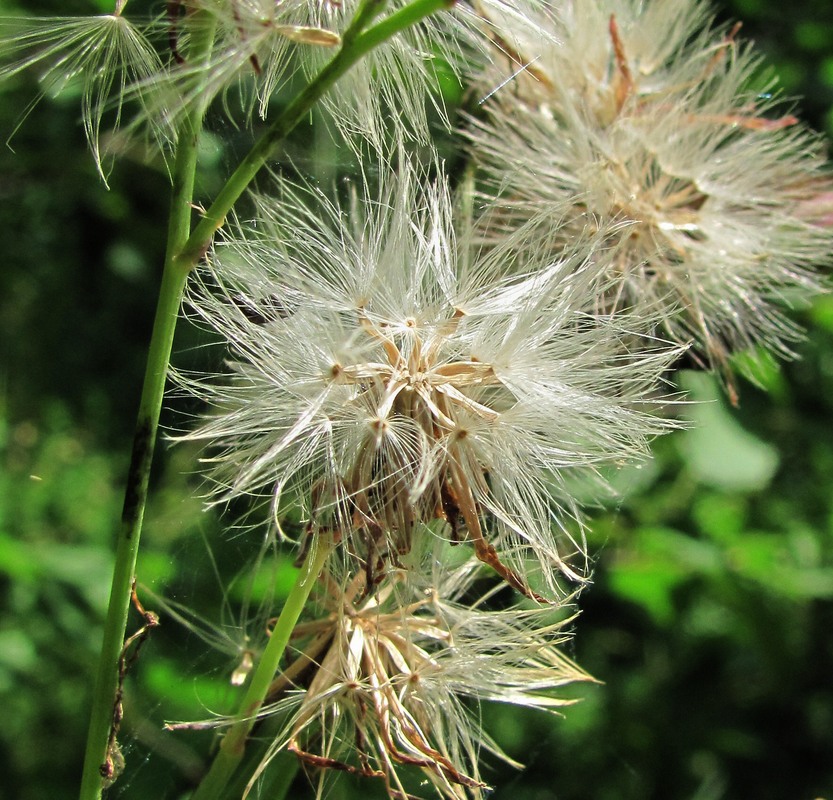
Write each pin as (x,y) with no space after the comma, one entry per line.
(730,37)
(381,703)
(623,84)
(323,762)
(463,500)
(417,739)
(174,12)
(304,34)
(727,43)
(750,123)
(488,555)
(764,124)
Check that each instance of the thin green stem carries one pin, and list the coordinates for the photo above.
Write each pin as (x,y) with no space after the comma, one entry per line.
(182,253)
(106,709)
(363,17)
(233,745)
(354,46)
(283,766)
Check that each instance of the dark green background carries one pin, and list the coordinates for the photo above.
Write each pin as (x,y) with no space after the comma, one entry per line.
(710,620)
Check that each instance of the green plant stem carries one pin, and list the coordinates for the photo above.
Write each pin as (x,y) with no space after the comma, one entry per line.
(354,46)
(283,770)
(182,253)
(106,709)
(283,766)
(233,744)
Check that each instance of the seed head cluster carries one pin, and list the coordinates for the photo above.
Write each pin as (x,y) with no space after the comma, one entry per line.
(396,386)
(423,368)
(642,112)
(395,665)
(405,389)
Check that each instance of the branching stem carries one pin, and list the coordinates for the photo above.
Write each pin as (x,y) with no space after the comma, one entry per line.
(183,251)
(167,309)
(233,744)
(354,46)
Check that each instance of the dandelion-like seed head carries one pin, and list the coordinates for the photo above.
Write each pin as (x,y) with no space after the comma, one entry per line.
(105,54)
(241,53)
(380,683)
(261,46)
(643,113)
(397,386)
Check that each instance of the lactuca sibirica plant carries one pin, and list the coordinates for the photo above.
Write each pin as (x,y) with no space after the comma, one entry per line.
(379,679)
(397,383)
(645,113)
(424,363)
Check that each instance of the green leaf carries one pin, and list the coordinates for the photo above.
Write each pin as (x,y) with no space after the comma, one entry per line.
(655,564)
(718,451)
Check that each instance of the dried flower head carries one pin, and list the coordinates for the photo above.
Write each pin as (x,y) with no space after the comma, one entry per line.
(260,46)
(242,53)
(393,386)
(382,681)
(107,54)
(641,112)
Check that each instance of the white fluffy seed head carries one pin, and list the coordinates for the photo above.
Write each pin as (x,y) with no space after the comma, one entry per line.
(386,684)
(262,47)
(107,54)
(388,381)
(643,113)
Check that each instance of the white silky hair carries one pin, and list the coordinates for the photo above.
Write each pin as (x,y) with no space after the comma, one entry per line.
(643,112)
(379,311)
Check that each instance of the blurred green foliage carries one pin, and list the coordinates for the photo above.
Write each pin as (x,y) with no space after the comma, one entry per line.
(710,620)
